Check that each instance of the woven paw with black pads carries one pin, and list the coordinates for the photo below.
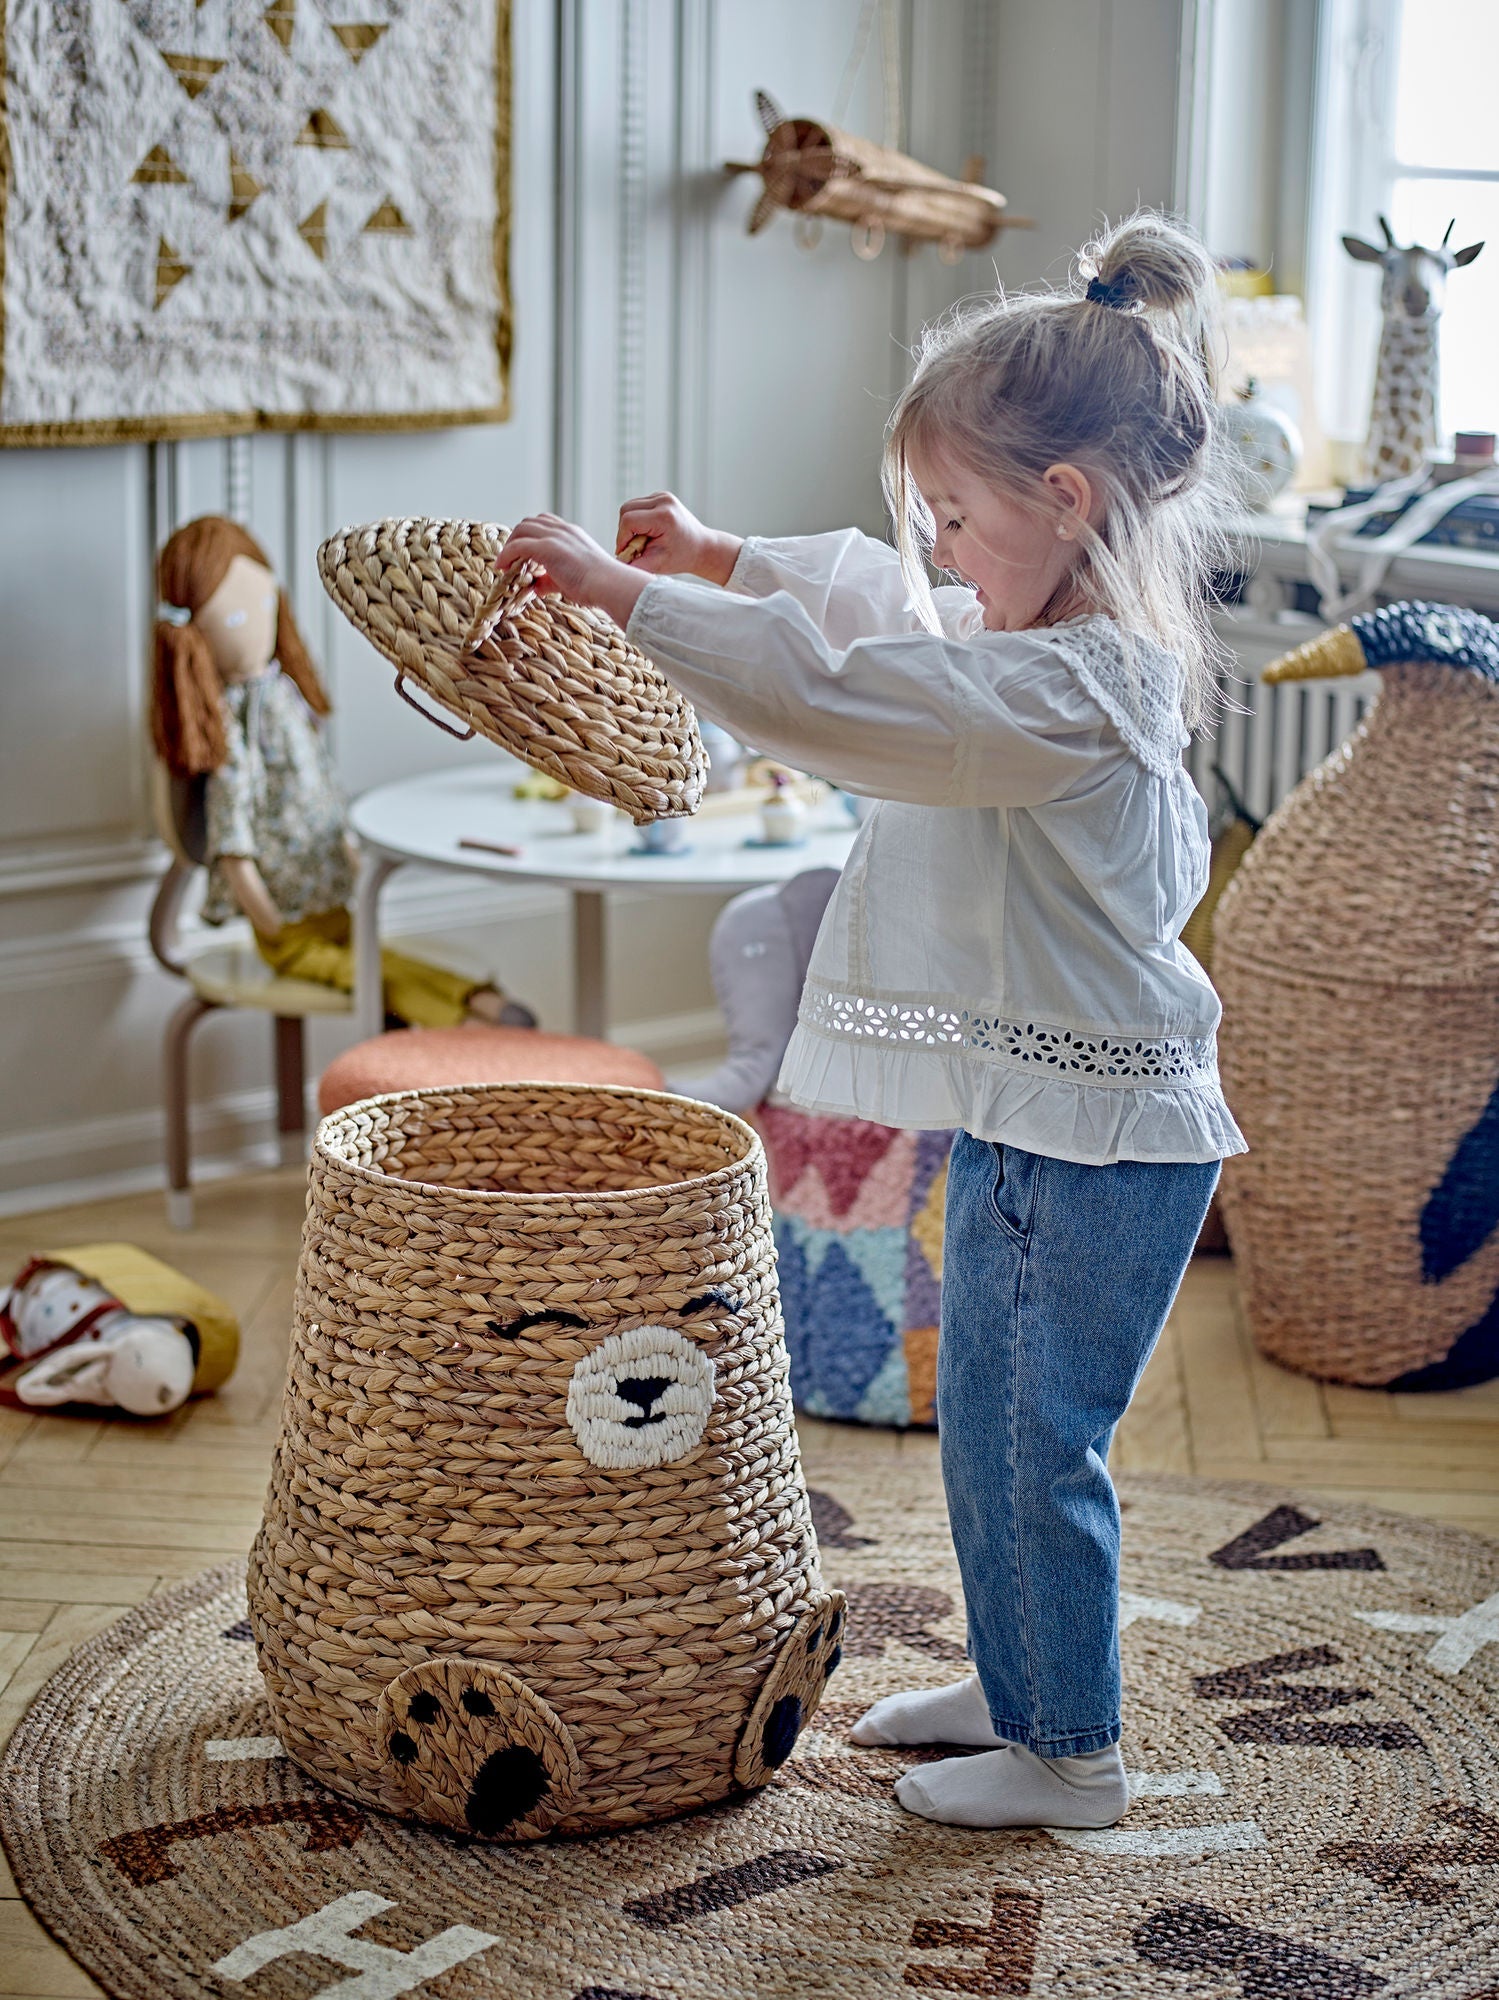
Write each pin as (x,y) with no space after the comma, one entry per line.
(473,1748)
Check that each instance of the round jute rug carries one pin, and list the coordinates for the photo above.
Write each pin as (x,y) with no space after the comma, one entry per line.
(1312,1700)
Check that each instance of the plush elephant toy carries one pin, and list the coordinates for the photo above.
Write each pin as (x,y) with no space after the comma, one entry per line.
(757,957)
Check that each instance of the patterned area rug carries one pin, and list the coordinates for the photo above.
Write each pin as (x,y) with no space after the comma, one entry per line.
(1312,1697)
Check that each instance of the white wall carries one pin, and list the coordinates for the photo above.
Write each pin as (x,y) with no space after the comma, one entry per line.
(1084,120)
(655,344)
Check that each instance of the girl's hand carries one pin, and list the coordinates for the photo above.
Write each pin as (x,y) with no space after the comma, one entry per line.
(573,565)
(676,541)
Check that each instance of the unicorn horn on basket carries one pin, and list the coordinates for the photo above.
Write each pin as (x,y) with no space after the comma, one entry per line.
(1401,634)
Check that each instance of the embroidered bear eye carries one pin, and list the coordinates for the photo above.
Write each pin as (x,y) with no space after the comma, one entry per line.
(641,1397)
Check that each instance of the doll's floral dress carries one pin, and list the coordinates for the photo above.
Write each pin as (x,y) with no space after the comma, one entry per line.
(273,800)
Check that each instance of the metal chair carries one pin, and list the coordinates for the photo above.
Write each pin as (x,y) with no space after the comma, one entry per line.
(230,974)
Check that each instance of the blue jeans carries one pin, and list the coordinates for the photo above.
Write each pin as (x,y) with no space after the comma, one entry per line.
(1056,1282)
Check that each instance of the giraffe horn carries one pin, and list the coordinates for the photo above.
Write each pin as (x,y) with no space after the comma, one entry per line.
(1447,232)
(1389,234)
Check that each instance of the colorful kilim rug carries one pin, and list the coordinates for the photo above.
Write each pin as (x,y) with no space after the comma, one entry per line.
(1313,1695)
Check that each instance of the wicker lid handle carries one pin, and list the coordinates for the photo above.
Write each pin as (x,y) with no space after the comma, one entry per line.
(512,589)
(411,701)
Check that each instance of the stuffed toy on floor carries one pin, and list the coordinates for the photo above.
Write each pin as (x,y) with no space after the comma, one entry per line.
(107,1324)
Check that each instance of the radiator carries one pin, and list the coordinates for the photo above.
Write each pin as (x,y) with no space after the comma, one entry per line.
(1268,738)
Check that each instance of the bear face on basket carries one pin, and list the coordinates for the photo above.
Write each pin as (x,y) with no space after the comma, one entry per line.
(537,1554)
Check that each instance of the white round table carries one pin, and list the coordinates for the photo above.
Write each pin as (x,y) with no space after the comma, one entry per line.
(424,819)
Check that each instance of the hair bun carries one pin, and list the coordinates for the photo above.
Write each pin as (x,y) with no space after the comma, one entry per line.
(1153,262)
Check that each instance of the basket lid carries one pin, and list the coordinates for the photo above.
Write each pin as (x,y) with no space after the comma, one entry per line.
(557,685)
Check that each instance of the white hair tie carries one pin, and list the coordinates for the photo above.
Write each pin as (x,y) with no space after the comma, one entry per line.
(173,614)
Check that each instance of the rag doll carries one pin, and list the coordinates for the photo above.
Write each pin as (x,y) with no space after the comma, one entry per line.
(236,702)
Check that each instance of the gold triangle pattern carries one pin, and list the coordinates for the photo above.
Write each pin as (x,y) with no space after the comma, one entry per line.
(359,37)
(322,129)
(313,230)
(387,220)
(281,18)
(158,165)
(243,187)
(194,73)
(170,269)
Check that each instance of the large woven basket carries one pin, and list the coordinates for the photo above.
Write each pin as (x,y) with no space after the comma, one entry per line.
(555,684)
(1357,953)
(537,1554)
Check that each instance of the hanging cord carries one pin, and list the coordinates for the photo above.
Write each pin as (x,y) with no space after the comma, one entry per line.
(889,66)
(1334,532)
(1235,804)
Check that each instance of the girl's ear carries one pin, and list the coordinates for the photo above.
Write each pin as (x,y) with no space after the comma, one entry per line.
(187,723)
(296,661)
(1071,494)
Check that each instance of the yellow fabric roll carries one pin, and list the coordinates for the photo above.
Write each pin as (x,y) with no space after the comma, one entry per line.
(1229,849)
(320,948)
(143,1284)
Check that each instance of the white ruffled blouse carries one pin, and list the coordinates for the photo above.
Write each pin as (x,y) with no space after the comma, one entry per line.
(1001,952)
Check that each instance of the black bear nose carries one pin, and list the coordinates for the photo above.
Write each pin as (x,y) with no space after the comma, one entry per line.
(642,1390)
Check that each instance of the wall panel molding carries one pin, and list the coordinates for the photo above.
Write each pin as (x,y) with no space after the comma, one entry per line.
(92,861)
(421,907)
(91,1159)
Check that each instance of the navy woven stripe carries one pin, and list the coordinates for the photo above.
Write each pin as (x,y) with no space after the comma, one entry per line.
(1462,1211)
(1439,634)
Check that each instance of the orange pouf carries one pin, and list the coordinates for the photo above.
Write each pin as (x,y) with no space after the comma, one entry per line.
(436,1058)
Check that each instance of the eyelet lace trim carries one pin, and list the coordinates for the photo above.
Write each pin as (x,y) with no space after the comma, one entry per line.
(1163,1059)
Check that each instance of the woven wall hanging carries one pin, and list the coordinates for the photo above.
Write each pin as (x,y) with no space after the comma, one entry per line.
(248,216)
(537,1553)
(1357,953)
(555,684)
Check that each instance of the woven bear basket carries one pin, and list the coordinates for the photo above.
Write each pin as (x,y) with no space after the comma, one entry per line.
(556,684)
(537,1554)
(1357,953)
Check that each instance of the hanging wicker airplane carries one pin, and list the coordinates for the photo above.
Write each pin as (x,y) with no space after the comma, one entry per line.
(815,170)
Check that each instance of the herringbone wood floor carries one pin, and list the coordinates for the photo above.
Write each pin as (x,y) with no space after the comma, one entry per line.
(95,1512)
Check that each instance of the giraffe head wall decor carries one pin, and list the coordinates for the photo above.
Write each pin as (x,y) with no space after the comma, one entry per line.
(1403,418)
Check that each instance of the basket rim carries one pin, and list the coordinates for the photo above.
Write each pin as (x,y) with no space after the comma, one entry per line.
(506,1198)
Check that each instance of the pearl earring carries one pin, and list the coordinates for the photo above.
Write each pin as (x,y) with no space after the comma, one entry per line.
(1062,532)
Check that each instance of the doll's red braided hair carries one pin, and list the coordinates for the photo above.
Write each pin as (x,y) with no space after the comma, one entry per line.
(186,718)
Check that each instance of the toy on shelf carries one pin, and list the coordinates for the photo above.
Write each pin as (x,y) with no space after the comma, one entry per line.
(1403,416)
(1357,953)
(235,705)
(783,817)
(556,684)
(537,1555)
(105,1323)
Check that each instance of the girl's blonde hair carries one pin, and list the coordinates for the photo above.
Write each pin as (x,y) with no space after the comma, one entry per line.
(1114,375)
(187,723)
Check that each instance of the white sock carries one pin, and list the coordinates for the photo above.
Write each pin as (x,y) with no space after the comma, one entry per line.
(1013,1787)
(957,1713)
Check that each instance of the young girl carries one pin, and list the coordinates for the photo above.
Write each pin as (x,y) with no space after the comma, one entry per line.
(1001,952)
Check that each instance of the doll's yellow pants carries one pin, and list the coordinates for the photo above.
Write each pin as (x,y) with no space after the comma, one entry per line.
(319,948)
